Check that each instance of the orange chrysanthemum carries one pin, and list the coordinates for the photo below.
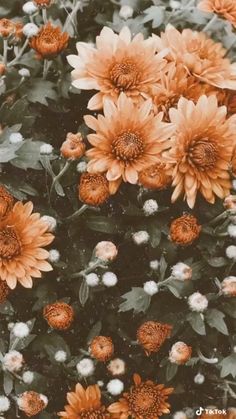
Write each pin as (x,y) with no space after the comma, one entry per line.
(49,42)
(93,189)
(184,230)
(22,238)
(180,353)
(4,291)
(224,8)
(7,27)
(127,140)
(85,404)
(155,176)
(101,348)
(202,149)
(200,55)
(31,403)
(233,162)
(59,315)
(145,400)
(151,335)
(6,202)
(74,147)
(118,64)
(43,3)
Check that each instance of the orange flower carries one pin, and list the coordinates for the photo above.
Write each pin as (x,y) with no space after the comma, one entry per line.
(184,230)
(127,140)
(118,64)
(233,162)
(224,8)
(43,3)
(177,82)
(180,353)
(145,400)
(2,69)
(202,149)
(7,27)
(200,55)
(74,147)
(151,335)
(4,291)
(155,177)
(230,202)
(49,41)
(102,348)
(31,403)
(22,238)
(59,315)
(6,202)
(93,189)
(229,286)
(85,404)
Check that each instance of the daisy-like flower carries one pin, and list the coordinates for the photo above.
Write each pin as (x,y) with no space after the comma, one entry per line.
(85,404)
(200,55)
(117,64)
(202,149)
(144,400)
(49,41)
(22,238)
(127,140)
(224,8)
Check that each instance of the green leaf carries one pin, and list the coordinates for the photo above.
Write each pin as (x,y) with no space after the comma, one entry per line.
(83,293)
(197,323)
(6,308)
(41,90)
(163,267)
(230,308)
(8,151)
(136,299)
(111,225)
(7,383)
(228,366)
(155,14)
(215,318)
(28,157)
(171,371)
(155,234)
(217,262)
(95,331)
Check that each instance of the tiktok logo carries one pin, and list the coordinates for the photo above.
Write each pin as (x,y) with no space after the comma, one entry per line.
(199,411)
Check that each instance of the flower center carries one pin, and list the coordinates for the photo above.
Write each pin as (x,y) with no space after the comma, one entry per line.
(9,243)
(93,414)
(144,401)
(203,154)
(128,146)
(124,75)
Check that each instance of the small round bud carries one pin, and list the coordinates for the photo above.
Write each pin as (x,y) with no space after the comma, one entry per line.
(24,72)
(60,356)
(54,256)
(140,237)
(46,149)
(30,30)
(150,207)
(228,286)
(81,167)
(109,279)
(197,302)
(92,279)
(232,230)
(106,251)
(231,252)
(115,387)
(181,271)
(50,221)
(199,378)
(20,330)
(85,367)
(151,288)
(29,8)
(180,353)
(12,361)
(116,366)
(28,377)
(154,264)
(16,138)
(126,12)
(4,404)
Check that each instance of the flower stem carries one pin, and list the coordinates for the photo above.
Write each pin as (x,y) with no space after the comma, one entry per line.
(60,174)
(46,65)
(5,49)
(19,55)
(77,213)
(206,360)
(71,16)
(220,217)
(44,15)
(83,273)
(210,23)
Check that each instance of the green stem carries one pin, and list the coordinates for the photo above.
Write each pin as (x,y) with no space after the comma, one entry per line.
(46,66)
(5,49)
(77,213)
(220,217)
(210,23)
(71,16)
(19,55)
(60,174)
(206,360)
(89,269)
(44,15)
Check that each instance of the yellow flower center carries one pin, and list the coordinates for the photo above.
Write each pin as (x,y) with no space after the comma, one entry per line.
(144,401)
(128,146)
(93,414)
(124,75)
(9,243)
(203,154)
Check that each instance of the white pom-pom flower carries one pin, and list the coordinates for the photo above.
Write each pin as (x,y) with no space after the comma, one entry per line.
(150,287)
(85,367)
(30,30)
(154,264)
(16,138)
(232,231)
(4,404)
(109,279)
(140,237)
(231,252)
(46,149)
(92,279)
(12,361)
(50,221)
(29,8)
(181,271)
(60,356)
(197,302)
(24,72)
(199,378)
(150,207)
(116,366)
(28,377)
(180,415)
(54,256)
(115,387)
(21,330)
(126,12)
(81,167)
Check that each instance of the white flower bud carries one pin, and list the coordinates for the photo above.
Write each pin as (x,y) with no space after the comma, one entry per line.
(28,377)
(4,404)
(54,256)
(150,287)
(24,72)
(30,30)
(109,279)
(60,356)
(154,264)
(46,149)
(81,167)
(12,361)
(16,138)
(199,378)
(180,415)
(126,12)
(92,279)
(29,8)
(50,221)
(85,367)
(232,231)
(140,237)
(20,330)
(115,387)
(150,207)
(181,271)
(106,251)
(231,252)
(197,302)
(116,366)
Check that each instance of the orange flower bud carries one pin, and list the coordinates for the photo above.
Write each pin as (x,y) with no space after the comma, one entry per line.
(155,177)
(93,189)
(180,353)
(59,315)
(184,230)
(6,202)
(49,41)
(2,69)
(151,335)
(74,147)
(102,348)
(31,403)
